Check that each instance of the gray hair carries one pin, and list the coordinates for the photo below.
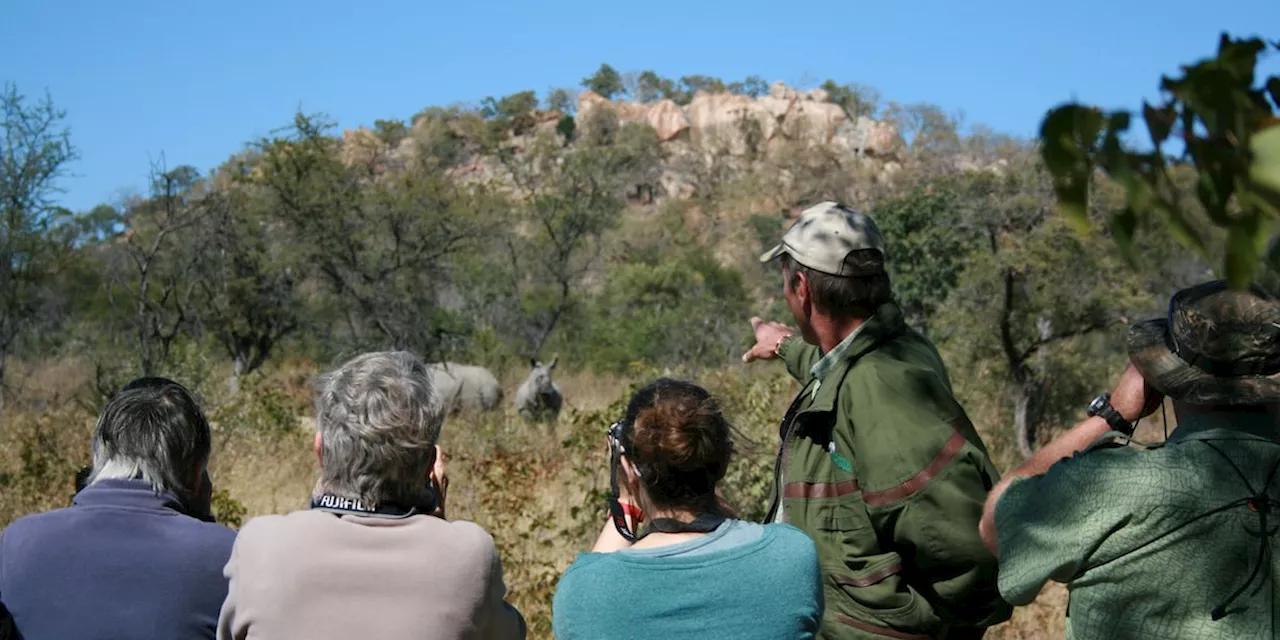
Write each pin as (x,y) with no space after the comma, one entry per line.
(379,418)
(152,429)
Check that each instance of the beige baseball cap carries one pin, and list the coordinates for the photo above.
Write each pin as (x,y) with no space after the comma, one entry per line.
(824,235)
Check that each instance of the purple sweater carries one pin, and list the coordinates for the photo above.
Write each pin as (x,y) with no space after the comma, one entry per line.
(122,562)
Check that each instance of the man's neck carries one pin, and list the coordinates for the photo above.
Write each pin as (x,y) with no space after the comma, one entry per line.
(832,331)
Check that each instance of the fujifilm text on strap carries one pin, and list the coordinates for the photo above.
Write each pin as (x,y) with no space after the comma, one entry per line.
(344,505)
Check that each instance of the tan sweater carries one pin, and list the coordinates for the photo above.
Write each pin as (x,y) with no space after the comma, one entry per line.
(316,575)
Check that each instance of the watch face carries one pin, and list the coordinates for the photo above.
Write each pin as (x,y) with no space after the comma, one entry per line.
(1096,405)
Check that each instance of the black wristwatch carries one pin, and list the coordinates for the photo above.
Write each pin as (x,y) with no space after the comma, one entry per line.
(1101,406)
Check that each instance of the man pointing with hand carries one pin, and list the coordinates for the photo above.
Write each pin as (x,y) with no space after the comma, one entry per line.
(878,462)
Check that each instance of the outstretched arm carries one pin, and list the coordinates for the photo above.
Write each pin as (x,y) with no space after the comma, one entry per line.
(1132,398)
(775,340)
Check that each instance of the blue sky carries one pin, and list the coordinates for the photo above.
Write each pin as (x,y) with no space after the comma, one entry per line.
(195,81)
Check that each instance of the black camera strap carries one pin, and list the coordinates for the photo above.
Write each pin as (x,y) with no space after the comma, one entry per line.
(341,505)
(704,523)
(615,508)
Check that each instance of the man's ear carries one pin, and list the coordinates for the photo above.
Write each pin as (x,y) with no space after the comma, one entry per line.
(319,448)
(802,286)
(431,463)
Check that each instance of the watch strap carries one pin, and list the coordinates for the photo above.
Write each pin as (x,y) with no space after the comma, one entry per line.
(1113,417)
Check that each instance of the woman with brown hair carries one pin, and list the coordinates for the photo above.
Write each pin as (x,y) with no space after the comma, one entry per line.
(695,570)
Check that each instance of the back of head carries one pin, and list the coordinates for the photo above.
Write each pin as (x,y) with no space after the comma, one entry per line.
(680,442)
(379,418)
(842,254)
(1217,349)
(851,296)
(152,429)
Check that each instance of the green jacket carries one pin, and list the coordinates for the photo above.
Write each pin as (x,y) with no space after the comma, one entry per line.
(883,469)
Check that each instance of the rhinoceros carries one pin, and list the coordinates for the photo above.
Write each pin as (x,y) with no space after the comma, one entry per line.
(465,387)
(538,399)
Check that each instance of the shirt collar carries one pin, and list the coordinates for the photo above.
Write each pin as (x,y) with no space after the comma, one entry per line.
(136,494)
(823,367)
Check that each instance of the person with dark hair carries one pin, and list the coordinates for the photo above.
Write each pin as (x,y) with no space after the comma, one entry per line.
(694,571)
(1170,540)
(878,462)
(136,555)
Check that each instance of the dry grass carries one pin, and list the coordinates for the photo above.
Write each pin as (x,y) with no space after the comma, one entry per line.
(537,489)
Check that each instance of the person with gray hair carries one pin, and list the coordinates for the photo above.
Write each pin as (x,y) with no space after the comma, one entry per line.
(138,552)
(374,555)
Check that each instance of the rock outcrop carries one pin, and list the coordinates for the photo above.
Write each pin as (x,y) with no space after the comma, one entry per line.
(725,131)
(740,123)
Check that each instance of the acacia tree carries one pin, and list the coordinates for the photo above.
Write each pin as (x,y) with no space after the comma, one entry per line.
(856,99)
(568,197)
(561,100)
(927,244)
(678,304)
(35,149)
(153,284)
(651,87)
(751,86)
(514,112)
(378,241)
(1032,291)
(606,81)
(933,135)
(248,272)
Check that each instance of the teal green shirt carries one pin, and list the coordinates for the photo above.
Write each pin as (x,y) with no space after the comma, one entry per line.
(1151,541)
(762,587)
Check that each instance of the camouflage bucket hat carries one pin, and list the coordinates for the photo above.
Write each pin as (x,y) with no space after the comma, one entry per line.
(1216,347)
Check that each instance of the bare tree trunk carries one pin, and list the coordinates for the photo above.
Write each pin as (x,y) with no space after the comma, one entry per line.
(239,366)
(561,307)
(144,343)
(1023,422)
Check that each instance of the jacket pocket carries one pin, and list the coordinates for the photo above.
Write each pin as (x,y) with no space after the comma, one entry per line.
(873,585)
(842,522)
(864,587)
(869,593)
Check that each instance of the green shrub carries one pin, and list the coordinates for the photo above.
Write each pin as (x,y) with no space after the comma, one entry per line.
(681,310)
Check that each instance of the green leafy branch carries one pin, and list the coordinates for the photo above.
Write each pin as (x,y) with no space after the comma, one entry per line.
(1227,129)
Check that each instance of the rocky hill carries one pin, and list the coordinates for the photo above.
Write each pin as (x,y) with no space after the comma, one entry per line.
(712,128)
(764,127)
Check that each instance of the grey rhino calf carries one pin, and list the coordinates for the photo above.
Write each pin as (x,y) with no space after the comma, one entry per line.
(538,399)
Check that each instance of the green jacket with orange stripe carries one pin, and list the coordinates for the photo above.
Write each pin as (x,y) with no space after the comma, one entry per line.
(883,469)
